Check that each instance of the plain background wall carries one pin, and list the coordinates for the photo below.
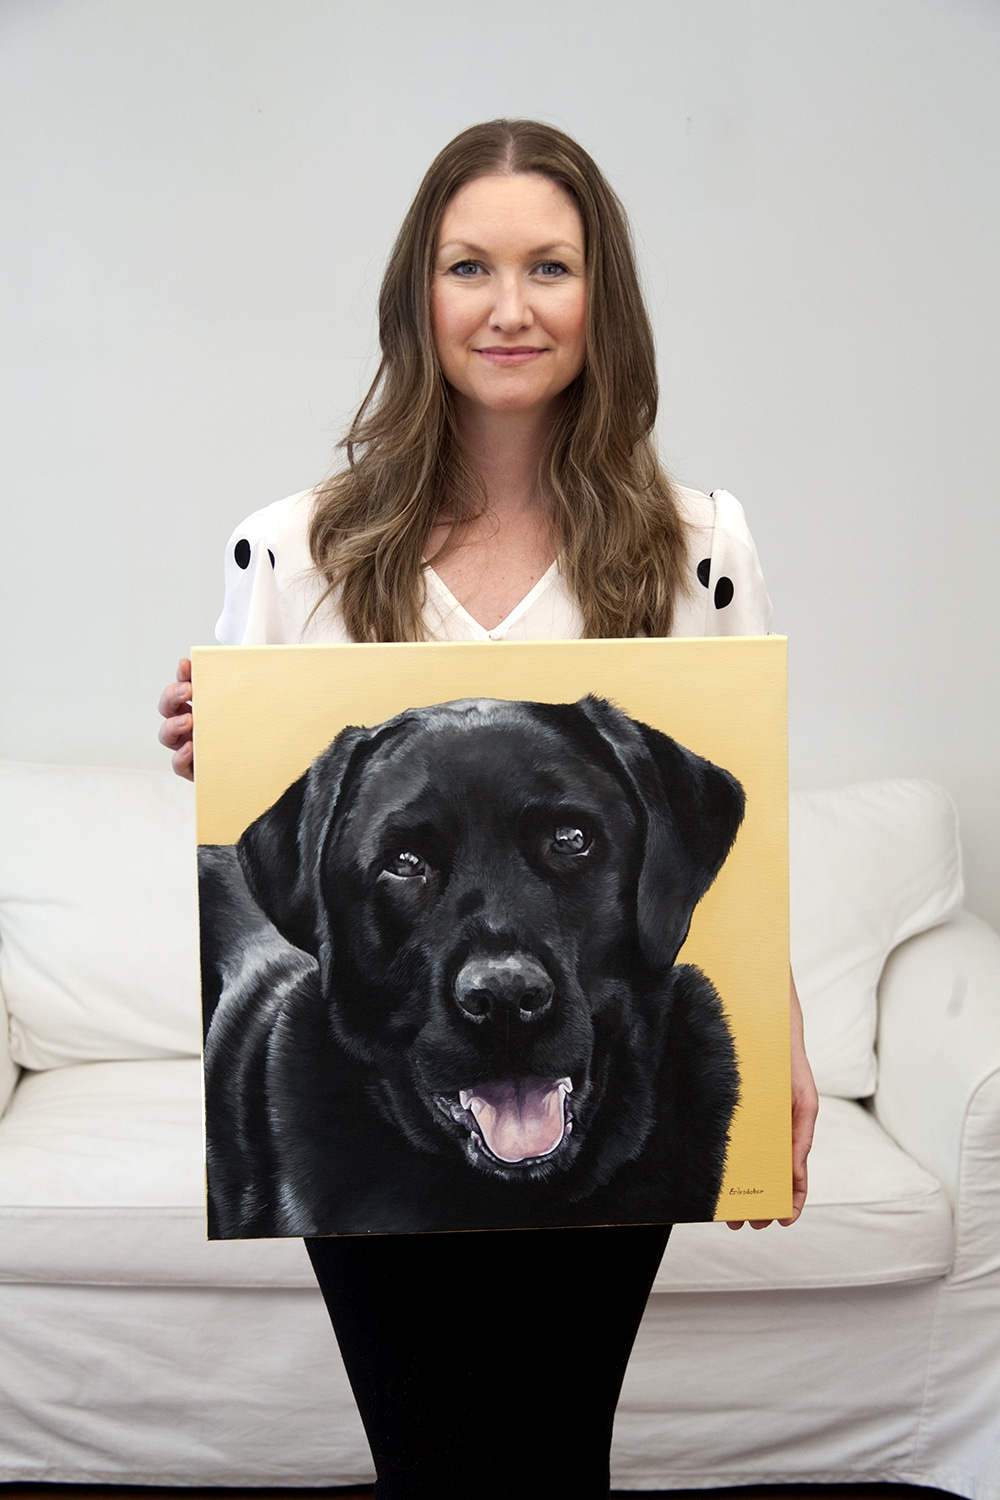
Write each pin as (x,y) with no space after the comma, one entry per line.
(197,197)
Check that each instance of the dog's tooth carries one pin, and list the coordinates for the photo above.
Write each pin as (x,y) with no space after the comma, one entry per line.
(464,1096)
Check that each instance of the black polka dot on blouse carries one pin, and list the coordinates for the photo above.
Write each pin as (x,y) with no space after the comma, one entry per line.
(243,553)
(724,590)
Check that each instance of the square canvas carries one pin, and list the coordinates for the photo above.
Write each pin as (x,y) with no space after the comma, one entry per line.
(493,935)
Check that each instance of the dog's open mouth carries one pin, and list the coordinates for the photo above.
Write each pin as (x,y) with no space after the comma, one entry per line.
(518,1120)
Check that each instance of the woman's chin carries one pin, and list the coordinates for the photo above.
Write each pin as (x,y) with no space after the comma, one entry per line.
(509,399)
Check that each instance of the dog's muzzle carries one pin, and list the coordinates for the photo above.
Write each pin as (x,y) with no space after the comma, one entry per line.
(521,1120)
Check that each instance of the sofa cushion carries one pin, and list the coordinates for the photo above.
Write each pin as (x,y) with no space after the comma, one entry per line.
(101,1181)
(98,914)
(870,865)
(873,1217)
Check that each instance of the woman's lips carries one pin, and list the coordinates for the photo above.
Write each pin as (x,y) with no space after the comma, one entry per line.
(500,356)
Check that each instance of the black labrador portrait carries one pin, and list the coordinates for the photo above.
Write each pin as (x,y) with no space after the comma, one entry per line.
(441,988)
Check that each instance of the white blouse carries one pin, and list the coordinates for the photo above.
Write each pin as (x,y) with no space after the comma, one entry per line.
(272,587)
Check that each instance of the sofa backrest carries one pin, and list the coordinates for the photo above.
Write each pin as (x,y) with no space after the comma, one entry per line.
(870,865)
(98,912)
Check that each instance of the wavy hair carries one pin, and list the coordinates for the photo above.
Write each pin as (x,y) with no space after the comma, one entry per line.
(611,503)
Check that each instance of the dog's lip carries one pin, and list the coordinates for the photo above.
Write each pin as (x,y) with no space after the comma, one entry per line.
(517,1121)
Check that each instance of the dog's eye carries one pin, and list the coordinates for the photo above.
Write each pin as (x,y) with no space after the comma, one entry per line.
(406,864)
(569,840)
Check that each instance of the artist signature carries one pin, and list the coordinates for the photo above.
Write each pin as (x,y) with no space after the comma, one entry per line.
(745,1192)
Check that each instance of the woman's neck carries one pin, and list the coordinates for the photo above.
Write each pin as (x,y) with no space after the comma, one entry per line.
(491,561)
(505,450)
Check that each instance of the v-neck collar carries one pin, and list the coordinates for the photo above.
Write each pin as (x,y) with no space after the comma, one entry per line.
(447,599)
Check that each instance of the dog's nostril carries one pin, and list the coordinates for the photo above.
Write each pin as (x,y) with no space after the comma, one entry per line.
(475,1002)
(488,987)
(535,999)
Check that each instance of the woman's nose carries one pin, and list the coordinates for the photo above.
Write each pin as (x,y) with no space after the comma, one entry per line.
(511,309)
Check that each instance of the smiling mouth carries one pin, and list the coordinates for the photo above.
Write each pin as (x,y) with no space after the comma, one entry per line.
(517,1120)
(500,356)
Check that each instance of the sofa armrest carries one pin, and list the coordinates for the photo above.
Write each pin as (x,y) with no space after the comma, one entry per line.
(939,1049)
(9,1071)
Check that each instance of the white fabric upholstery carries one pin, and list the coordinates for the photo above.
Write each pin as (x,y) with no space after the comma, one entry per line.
(181,1386)
(97,912)
(939,1009)
(102,1181)
(8,1067)
(782,1388)
(875,1217)
(101,1169)
(859,1345)
(870,866)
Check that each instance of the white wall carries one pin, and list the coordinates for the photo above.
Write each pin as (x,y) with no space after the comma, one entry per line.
(197,196)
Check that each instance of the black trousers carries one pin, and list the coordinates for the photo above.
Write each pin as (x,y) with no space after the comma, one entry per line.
(489,1365)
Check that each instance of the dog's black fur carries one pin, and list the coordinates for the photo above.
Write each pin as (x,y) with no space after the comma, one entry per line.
(469,914)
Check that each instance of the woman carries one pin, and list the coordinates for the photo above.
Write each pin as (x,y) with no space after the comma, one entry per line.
(501,484)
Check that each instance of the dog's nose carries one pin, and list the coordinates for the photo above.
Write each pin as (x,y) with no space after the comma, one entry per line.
(514,985)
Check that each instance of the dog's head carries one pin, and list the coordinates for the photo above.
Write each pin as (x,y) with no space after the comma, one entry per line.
(492,891)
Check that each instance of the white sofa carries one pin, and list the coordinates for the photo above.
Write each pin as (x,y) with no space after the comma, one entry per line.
(863,1344)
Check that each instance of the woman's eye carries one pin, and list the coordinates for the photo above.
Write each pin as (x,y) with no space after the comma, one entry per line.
(550,269)
(407,865)
(569,840)
(465,269)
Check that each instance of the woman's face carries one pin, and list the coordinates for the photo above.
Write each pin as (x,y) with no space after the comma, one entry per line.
(508,296)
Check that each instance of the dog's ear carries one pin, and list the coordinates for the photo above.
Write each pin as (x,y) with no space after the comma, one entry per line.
(706,802)
(693,810)
(271,860)
(280,852)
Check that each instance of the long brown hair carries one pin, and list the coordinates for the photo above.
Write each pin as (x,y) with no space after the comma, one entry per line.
(611,503)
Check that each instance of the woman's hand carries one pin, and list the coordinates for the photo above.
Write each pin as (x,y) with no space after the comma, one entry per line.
(805,1106)
(177,730)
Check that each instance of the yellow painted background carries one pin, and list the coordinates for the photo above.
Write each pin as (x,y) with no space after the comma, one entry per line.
(264,713)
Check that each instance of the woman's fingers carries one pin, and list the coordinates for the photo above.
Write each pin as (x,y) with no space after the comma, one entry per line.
(805,1104)
(174,700)
(176,697)
(177,734)
(177,730)
(183,761)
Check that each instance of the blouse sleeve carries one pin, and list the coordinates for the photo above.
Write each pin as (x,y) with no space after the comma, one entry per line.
(734,599)
(270,583)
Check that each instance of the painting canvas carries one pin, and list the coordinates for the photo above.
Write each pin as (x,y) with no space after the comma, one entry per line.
(493,935)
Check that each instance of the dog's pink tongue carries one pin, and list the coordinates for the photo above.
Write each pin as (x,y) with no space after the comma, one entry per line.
(520,1118)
